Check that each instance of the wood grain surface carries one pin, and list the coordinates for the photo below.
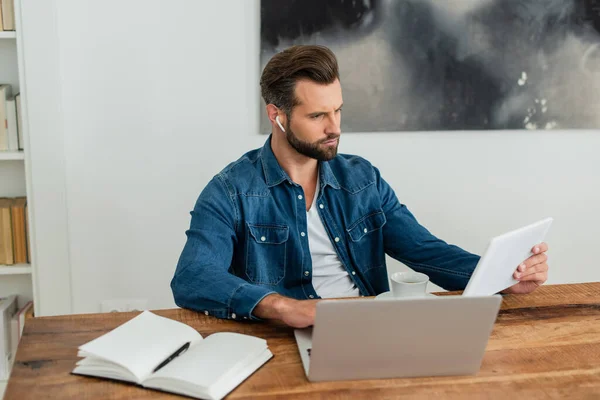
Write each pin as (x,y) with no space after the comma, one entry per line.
(544,345)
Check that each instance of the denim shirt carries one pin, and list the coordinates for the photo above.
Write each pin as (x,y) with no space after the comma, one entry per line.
(247,237)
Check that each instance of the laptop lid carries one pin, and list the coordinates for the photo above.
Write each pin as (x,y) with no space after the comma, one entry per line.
(366,339)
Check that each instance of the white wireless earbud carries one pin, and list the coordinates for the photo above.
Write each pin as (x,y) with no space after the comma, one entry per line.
(279,123)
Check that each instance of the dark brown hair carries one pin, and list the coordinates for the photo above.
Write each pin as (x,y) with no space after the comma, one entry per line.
(284,69)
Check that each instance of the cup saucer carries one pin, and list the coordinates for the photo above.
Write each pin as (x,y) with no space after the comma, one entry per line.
(388,295)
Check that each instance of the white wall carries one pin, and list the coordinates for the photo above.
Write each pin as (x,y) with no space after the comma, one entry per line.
(157,97)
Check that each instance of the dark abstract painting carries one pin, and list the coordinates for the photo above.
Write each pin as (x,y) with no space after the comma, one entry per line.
(414,65)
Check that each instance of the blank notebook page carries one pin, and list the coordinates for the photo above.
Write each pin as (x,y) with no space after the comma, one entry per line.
(204,364)
(142,343)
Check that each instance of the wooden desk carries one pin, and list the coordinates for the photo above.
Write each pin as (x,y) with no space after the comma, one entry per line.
(544,345)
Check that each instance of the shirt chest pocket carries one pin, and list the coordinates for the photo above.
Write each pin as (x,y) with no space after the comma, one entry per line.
(266,253)
(366,240)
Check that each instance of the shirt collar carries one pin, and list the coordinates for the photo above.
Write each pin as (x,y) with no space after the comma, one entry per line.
(274,174)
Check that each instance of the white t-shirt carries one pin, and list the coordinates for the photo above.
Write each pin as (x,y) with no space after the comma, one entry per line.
(330,279)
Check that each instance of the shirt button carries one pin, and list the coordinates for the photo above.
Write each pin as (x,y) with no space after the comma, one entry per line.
(306,273)
(263,238)
(353,272)
(321,206)
(365,230)
(205,312)
(311,296)
(337,239)
(302,234)
(233,315)
(299,197)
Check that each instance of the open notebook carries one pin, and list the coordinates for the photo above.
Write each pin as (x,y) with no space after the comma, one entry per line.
(160,353)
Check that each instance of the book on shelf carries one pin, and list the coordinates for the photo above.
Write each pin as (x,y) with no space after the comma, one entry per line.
(8,308)
(163,354)
(6,238)
(11,125)
(5,91)
(19,230)
(11,121)
(19,121)
(8,15)
(14,235)
(27,245)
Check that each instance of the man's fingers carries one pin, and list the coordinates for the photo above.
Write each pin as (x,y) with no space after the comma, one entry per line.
(539,277)
(540,248)
(541,267)
(533,260)
(538,268)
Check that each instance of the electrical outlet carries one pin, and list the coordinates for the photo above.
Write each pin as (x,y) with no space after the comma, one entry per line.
(137,304)
(112,306)
(123,305)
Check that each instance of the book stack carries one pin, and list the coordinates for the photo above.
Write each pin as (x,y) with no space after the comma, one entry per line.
(14,235)
(7,15)
(11,135)
(12,321)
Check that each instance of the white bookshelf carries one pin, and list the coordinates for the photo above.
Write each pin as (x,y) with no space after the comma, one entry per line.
(15,177)
(14,279)
(17,269)
(12,155)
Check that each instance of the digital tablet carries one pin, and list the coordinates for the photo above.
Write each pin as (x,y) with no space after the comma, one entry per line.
(494,271)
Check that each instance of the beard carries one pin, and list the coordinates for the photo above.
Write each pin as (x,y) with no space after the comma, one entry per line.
(312,150)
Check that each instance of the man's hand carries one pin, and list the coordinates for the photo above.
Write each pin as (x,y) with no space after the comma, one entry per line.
(532,273)
(295,313)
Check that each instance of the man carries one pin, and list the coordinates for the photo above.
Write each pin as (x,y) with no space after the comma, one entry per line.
(294,221)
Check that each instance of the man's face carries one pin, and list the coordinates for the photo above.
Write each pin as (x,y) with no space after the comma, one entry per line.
(314,127)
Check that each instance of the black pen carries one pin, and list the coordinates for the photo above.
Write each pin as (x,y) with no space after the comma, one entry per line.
(172,356)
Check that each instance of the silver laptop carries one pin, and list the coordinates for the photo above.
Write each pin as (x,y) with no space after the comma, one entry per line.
(368,339)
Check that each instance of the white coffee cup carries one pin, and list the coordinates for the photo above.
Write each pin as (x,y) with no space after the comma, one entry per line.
(409,284)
